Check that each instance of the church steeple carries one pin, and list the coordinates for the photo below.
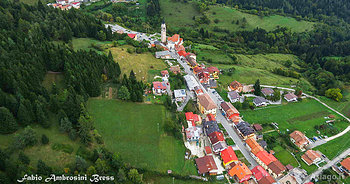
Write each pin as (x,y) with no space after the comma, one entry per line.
(163,32)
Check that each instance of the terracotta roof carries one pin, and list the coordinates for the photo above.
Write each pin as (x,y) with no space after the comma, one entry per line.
(289,167)
(259,172)
(254,146)
(346,163)
(265,157)
(159,85)
(257,127)
(310,156)
(182,53)
(164,72)
(131,35)
(208,150)
(211,117)
(180,48)
(213,69)
(175,68)
(290,96)
(174,38)
(206,164)
(266,180)
(216,137)
(235,85)
(241,171)
(228,155)
(189,116)
(299,138)
(197,69)
(206,102)
(277,167)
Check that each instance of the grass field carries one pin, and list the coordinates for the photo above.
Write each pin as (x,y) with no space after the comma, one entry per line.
(228,16)
(302,116)
(55,159)
(178,14)
(284,156)
(334,147)
(343,106)
(136,132)
(50,78)
(85,43)
(141,64)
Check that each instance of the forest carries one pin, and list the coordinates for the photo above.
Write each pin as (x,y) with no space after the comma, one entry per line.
(32,42)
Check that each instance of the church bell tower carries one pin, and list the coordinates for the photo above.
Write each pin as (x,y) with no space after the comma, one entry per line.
(163,32)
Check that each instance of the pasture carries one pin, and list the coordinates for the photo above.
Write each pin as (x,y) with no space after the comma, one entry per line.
(136,132)
(228,18)
(178,14)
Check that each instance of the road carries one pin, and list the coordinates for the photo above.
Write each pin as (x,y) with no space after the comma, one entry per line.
(328,165)
(182,106)
(220,118)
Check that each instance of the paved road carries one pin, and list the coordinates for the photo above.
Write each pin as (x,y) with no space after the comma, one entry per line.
(220,118)
(328,165)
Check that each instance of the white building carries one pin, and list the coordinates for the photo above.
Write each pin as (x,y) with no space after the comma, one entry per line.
(191,82)
(180,94)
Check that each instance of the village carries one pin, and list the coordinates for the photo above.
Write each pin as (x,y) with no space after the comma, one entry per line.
(206,137)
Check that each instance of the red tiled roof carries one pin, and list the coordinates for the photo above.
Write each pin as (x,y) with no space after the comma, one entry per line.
(265,157)
(216,137)
(254,146)
(196,117)
(346,163)
(211,117)
(228,155)
(182,53)
(159,85)
(174,38)
(197,69)
(208,150)
(277,167)
(206,164)
(131,35)
(206,102)
(241,171)
(259,172)
(189,116)
(310,156)
(257,127)
(299,138)
(213,69)
(266,180)
(164,72)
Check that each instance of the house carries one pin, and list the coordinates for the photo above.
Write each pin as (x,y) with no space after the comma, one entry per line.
(219,146)
(264,158)
(248,89)
(260,101)
(291,97)
(207,150)
(206,105)
(346,165)
(262,176)
(191,55)
(299,139)
(229,110)
(228,156)
(182,53)
(240,172)
(206,165)
(267,91)
(210,127)
(235,86)
(174,41)
(214,72)
(312,157)
(203,77)
(180,95)
(253,146)
(165,73)
(193,119)
(191,83)
(215,137)
(198,91)
(210,117)
(132,36)
(193,133)
(257,127)
(276,168)
(245,130)
(164,55)
(175,69)
(212,84)
(179,48)
(233,96)
(197,69)
(192,62)
(159,88)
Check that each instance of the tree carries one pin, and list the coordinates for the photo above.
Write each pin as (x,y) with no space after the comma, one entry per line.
(65,125)
(245,104)
(24,116)
(91,170)
(334,93)
(101,35)
(7,121)
(123,93)
(80,163)
(44,139)
(257,88)
(42,168)
(102,166)
(23,158)
(134,176)
(25,138)
(121,175)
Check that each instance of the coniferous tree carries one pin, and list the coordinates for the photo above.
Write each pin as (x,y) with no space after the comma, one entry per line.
(7,121)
